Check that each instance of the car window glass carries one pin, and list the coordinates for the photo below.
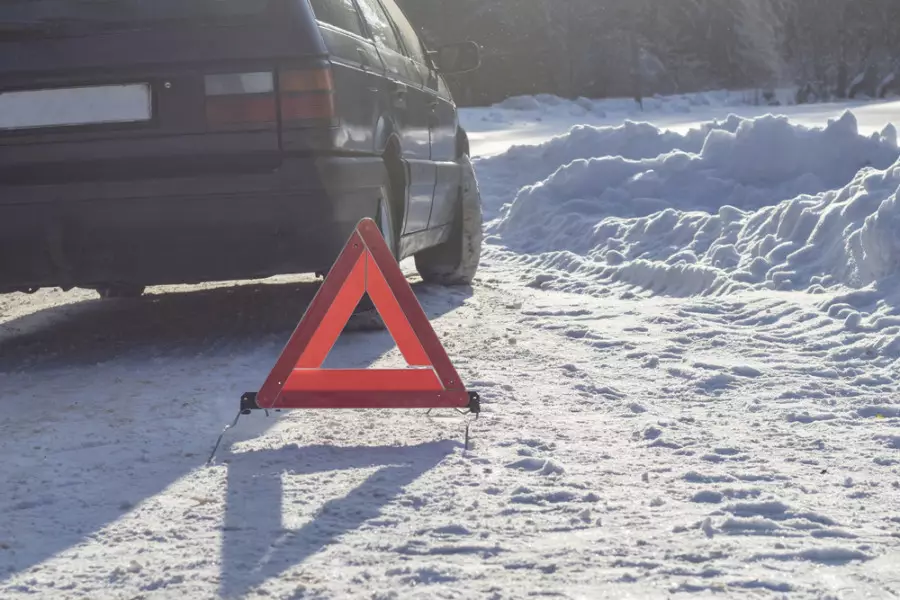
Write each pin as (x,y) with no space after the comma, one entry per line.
(407,32)
(340,13)
(379,24)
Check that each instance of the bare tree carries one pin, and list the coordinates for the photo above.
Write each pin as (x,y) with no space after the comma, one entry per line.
(604,47)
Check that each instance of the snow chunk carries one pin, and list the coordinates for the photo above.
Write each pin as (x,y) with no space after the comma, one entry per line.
(708,497)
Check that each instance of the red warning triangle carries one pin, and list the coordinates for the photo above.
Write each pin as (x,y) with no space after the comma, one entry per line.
(298,379)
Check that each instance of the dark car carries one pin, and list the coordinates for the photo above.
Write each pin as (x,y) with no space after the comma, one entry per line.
(150,142)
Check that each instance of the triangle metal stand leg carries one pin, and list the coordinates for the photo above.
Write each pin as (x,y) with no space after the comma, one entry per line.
(248,404)
(469,422)
(473,408)
(212,455)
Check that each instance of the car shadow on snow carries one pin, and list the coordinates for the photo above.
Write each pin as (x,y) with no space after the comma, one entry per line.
(167,325)
(284,506)
(115,401)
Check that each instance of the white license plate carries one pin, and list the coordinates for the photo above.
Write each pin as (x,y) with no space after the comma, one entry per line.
(66,107)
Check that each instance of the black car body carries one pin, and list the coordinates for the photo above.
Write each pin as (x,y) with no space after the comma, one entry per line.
(148,142)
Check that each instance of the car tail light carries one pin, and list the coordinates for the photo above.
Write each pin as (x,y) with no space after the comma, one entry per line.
(306,95)
(240,99)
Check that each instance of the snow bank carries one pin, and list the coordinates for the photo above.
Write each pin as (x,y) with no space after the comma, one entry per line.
(522,165)
(743,164)
(848,237)
(742,205)
(762,204)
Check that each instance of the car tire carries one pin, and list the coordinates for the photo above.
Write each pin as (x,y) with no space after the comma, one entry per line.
(366,317)
(120,290)
(455,262)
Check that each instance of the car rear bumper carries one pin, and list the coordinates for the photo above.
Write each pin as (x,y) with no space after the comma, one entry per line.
(166,230)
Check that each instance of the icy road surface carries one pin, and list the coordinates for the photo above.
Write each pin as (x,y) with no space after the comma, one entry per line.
(663,412)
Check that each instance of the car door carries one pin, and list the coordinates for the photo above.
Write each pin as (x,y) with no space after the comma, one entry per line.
(444,124)
(442,117)
(357,70)
(404,94)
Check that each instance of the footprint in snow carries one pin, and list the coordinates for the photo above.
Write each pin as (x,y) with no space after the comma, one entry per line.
(543,466)
(651,433)
(727,451)
(535,443)
(746,371)
(447,530)
(891,441)
(716,382)
(525,495)
(716,496)
(604,391)
(708,497)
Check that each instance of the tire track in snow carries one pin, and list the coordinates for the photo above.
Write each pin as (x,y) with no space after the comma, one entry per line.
(745,473)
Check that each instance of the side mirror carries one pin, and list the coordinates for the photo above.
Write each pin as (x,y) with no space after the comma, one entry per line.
(457,58)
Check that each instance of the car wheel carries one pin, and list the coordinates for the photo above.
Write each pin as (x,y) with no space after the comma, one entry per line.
(120,290)
(366,317)
(455,261)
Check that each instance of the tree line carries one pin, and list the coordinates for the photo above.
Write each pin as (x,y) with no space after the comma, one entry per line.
(606,48)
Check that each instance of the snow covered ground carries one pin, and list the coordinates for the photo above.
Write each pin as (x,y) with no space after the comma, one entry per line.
(687,344)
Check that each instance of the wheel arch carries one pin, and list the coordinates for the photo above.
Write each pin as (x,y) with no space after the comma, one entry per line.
(462,142)
(385,133)
(388,145)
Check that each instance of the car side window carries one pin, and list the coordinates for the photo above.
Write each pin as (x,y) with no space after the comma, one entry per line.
(380,25)
(407,32)
(340,13)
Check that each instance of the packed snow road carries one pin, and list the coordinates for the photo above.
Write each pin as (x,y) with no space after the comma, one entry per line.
(699,395)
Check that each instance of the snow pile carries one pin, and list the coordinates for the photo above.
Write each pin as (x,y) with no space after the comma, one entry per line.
(846,237)
(765,205)
(716,221)
(741,164)
(522,165)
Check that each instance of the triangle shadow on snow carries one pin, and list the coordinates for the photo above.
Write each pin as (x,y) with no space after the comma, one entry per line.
(257,545)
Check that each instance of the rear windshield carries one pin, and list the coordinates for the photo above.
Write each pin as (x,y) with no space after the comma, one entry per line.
(56,14)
